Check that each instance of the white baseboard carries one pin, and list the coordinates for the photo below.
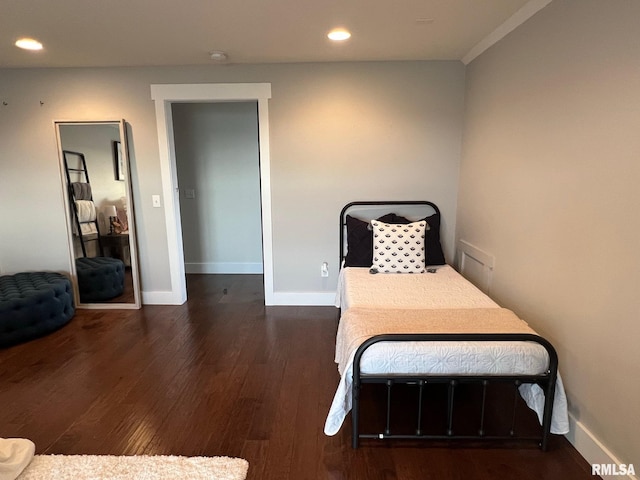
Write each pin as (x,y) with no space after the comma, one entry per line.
(223,267)
(593,451)
(162,298)
(278,298)
(303,298)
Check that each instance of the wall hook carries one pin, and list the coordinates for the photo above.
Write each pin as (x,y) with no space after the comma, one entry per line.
(41,103)
(4,103)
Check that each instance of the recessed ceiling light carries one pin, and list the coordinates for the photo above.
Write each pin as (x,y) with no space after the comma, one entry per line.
(339,35)
(29,44)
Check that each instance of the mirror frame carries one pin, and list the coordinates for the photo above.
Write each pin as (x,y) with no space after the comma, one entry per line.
(133,249)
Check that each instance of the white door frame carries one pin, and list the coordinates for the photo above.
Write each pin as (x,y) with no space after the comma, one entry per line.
(163,96)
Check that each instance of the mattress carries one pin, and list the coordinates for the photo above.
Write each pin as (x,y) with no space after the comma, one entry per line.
(445,288)
(441,302)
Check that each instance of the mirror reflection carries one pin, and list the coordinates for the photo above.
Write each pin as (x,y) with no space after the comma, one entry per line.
(95,170)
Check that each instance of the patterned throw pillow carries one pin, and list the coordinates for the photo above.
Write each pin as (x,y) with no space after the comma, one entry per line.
(398,248)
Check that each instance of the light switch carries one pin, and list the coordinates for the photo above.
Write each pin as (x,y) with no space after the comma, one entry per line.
(155,200)
(189,193)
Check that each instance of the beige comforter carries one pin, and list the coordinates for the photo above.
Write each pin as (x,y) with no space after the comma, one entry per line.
(444,289)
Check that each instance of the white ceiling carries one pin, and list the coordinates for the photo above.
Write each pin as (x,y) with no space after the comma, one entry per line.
(83,33)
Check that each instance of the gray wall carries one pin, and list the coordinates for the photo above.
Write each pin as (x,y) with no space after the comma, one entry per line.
(338,132)
(549,185)
(217,159)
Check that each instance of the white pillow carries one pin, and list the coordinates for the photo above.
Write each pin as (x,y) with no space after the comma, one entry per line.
(398,248)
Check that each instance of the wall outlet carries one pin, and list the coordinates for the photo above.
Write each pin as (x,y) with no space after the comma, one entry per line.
(324,269)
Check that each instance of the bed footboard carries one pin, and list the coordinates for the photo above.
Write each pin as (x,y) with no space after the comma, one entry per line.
(546,380)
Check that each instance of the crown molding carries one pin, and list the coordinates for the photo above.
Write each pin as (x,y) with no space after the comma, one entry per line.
(514,21)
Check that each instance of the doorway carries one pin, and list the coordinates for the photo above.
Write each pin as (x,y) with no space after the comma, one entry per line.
(218,170)
(164,96)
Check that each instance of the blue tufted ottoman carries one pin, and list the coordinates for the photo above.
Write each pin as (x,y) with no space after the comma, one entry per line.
(33,304)
(99,278)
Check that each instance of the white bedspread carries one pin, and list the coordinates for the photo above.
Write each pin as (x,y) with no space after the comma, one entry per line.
(444,289)
(358,324)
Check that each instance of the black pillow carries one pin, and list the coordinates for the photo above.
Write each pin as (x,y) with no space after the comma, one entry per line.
(435,256)
(360,241)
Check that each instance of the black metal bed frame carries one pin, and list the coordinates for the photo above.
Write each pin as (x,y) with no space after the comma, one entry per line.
(391,203)
(546,380)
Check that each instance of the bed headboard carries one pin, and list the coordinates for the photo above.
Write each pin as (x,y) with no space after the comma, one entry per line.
(369,210)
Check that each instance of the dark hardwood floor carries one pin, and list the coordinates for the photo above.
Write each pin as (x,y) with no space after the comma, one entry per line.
(223,375)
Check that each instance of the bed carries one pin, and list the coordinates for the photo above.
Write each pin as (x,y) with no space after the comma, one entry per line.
(428,327)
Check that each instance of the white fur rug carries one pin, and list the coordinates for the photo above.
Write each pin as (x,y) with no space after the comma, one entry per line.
(139,467)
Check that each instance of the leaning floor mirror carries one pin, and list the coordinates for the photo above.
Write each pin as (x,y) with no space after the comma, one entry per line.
(94,166)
